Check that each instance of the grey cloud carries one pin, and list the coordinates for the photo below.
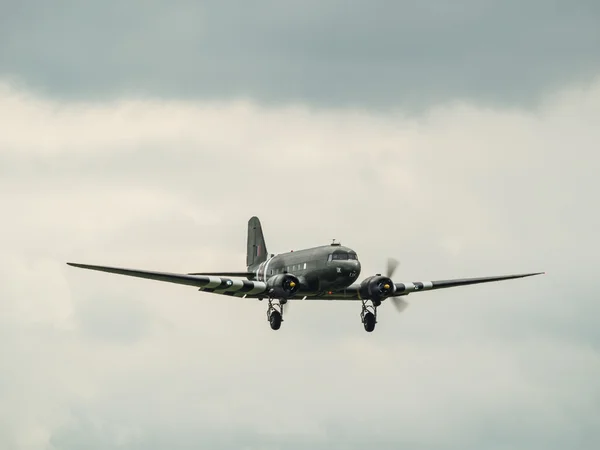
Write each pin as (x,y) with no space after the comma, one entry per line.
(377,54)
(84,433)
(493,429)
(98,318)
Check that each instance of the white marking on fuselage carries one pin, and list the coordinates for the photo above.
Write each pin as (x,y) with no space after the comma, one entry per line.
(427,285)
(259,271)
(267,262)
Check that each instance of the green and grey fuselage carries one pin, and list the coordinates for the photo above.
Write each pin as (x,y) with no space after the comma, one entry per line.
(319,269)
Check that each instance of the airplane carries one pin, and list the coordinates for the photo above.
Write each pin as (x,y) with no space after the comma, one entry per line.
(326,272)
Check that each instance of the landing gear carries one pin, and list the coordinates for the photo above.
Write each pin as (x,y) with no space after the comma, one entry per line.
(275,320)
(368,315)
(275,313)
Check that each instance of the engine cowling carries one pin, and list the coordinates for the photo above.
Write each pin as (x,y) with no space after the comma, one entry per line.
(284,285)
(377,288)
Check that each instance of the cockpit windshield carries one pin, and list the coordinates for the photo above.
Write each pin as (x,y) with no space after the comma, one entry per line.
(341,256)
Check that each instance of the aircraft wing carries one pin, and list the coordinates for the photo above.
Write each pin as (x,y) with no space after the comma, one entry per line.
(405,288)
(416,286)
(255,289)
(205,283)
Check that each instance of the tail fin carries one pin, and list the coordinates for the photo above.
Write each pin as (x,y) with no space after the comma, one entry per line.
(256,251)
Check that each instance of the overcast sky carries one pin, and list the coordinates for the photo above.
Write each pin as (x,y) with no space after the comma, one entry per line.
(460,139)
(409,54)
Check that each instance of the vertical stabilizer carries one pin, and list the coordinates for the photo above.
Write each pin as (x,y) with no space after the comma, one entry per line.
(256,251)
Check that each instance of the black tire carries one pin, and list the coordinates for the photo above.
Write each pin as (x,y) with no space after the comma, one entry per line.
(275,320)
(369,322)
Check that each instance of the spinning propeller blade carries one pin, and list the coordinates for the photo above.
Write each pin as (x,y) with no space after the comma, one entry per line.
(398,302)
(391,266)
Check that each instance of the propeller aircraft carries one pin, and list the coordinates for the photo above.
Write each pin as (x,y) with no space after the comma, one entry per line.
(327,272)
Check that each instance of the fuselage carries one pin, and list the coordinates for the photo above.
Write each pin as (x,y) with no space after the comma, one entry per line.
(327,267)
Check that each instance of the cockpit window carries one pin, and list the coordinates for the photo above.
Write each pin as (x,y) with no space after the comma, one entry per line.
(338,256)
(341,256)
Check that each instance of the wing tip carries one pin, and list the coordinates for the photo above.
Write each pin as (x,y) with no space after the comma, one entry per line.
(525,275)
(81,266)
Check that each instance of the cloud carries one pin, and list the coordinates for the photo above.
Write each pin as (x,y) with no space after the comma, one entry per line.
(463,190)
(376,54)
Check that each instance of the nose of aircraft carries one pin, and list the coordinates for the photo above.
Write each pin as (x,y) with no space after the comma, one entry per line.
(353,267)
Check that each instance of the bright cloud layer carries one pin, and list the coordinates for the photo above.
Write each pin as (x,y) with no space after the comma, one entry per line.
(101,361)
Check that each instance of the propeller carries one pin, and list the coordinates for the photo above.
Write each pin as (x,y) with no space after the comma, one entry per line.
(392,264)
(398,302)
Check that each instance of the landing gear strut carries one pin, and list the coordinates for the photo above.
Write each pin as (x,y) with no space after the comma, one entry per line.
(275,313)
(368,315)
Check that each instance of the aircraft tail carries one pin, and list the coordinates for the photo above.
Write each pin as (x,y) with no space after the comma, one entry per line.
(256,251)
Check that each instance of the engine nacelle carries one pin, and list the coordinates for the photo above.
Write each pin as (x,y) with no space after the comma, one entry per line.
(284,285)
(377,288)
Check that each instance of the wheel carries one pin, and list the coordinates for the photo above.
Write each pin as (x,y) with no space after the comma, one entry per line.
(369,321)
(275,320)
